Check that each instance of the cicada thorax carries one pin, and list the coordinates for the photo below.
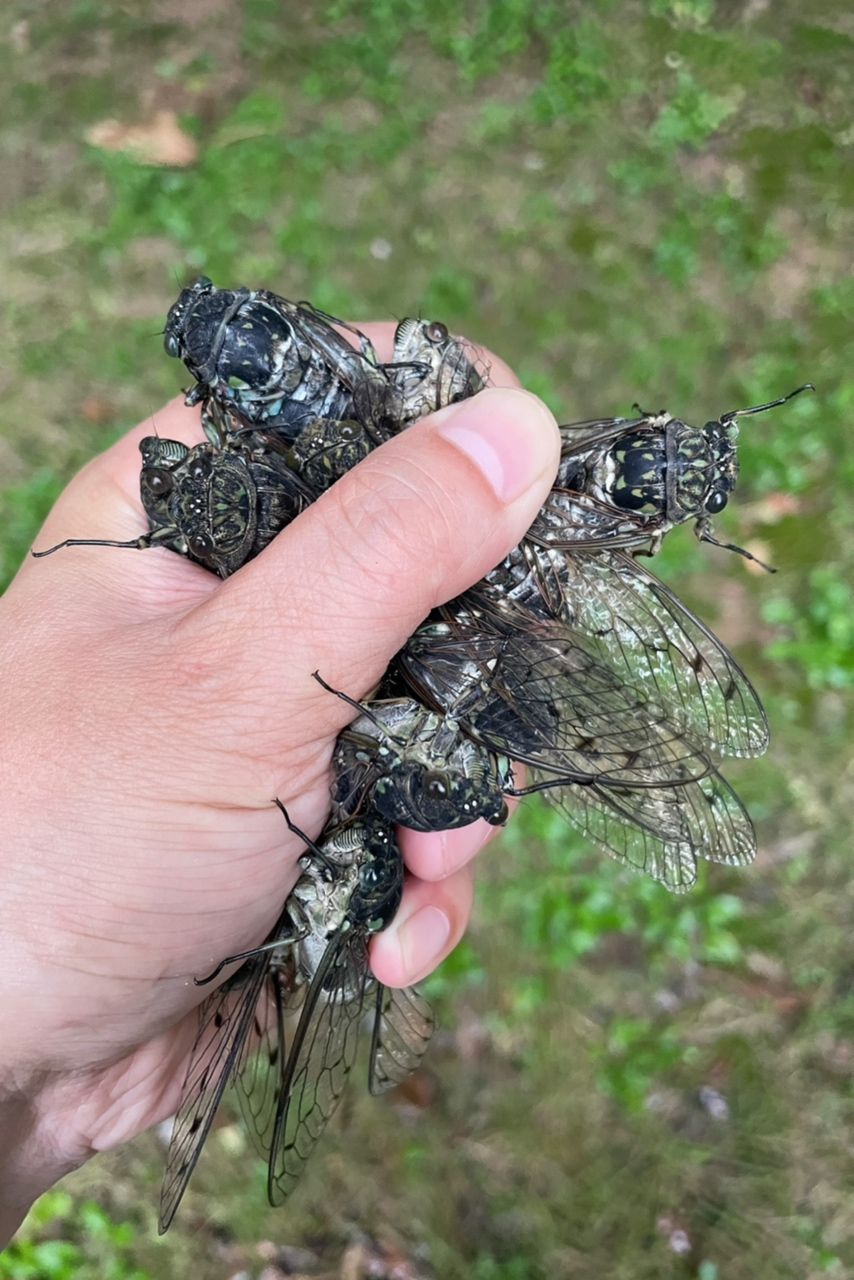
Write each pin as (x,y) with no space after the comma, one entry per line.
(357,885)
(659,470)
(377,895)
(417,768)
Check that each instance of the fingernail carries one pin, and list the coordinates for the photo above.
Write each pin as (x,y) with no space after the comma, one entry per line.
(508,434)
(459,846)
(422,939)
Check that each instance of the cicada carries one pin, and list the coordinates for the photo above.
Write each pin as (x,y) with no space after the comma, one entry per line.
(217,506)
(624,482)
(432,368)
(270,363)
(613,763)
(313,970)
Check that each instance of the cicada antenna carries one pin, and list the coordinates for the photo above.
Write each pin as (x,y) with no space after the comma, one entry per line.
(760,408)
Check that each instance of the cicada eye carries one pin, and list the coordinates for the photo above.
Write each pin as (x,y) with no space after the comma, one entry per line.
(201,545)
(499,818)
(435,784)
(200,468)
(435,332)
(158,481)
(348,431)
(716,502)
(172,345)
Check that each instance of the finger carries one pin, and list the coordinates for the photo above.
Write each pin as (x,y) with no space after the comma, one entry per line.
(431,920)
(344,586)
(103,502)
(435,855)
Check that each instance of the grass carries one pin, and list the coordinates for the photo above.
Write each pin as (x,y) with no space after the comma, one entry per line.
(628,201)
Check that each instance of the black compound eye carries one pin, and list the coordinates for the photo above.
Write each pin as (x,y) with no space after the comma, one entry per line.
(435,332)
(200,468)
(157,481)
(716,502)
(200,544)
(435,784)
(501,815)
(369,877)
(348,431)
(172,345)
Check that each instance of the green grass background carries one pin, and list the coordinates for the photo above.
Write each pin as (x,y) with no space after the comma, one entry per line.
(638,200)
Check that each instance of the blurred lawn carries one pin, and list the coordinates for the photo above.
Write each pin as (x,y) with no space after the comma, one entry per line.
(632,200)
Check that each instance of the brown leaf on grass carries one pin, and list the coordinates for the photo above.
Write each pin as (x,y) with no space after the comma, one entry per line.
(96,410)
(160,141)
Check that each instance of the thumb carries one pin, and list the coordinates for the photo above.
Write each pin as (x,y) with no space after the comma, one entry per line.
(340,590)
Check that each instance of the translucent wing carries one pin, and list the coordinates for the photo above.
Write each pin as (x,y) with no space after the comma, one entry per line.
(223,1045)
(258,1082)
(578,437)
(662,832)
(321,1057)
(354,775)
(542,698)
(403,1025)
(621,824)
(580,522)
(648,636)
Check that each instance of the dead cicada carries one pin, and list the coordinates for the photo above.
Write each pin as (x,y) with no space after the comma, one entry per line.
(217,507)
(608,758)
(284,1029)
(269,363)
(624,482)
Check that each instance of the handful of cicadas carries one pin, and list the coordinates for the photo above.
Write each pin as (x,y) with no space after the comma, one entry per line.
(568,657)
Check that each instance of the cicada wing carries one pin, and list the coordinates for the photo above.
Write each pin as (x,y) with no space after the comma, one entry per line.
(662,831)
(403,1025)
(223,1046)
(731,838)
(258,1083)
(570,521)
(538,696)
(621,824)
(355,771)
(594,431)
(642,629)
(320,1057)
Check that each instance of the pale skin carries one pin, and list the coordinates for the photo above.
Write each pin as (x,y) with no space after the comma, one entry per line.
(151,713)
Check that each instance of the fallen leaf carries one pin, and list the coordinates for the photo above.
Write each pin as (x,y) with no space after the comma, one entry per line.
(96,410)
(160,142)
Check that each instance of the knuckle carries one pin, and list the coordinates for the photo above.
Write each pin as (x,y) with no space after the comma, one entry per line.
(389,521)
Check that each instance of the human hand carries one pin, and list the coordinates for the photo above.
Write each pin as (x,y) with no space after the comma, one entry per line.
(152,713)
